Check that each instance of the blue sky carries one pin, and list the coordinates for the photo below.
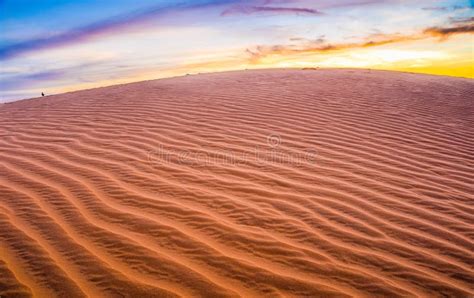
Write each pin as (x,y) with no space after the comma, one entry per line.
(58,46)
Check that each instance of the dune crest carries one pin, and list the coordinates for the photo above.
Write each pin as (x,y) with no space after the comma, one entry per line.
(277,183)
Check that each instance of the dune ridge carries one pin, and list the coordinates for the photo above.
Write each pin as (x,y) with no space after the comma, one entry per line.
(298,183)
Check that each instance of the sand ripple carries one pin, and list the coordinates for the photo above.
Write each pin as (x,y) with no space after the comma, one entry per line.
(314,183)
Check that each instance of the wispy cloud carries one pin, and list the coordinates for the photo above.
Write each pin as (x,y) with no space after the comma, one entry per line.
(270,9)
(118,24)
(298,7)
(445,32)
(445,8)
(320,45)
(462,20)
(108,26)
(31,78)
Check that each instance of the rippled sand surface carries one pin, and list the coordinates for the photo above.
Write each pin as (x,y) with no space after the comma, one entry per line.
(269,183)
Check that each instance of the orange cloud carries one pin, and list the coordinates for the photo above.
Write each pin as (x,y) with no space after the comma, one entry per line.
(448,31)
(319,46)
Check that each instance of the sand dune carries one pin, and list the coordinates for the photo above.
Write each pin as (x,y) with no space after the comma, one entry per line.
(269,183)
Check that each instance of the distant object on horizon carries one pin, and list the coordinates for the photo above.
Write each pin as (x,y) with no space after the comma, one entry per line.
(42,93)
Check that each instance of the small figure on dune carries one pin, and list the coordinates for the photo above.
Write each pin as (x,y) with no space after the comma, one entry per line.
(42,94)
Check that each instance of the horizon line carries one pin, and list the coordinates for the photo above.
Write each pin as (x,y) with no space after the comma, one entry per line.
(315,68)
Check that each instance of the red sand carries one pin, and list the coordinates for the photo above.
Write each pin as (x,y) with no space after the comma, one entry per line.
(254,183)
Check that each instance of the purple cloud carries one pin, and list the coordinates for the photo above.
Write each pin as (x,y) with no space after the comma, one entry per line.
(270,9)
(107,26)
(312,7)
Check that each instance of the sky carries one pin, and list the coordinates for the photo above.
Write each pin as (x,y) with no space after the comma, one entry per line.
(56,46)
